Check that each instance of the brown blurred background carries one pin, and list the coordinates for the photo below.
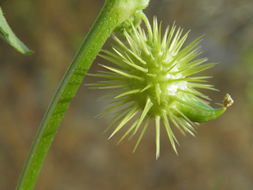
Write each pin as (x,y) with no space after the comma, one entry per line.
(220,157)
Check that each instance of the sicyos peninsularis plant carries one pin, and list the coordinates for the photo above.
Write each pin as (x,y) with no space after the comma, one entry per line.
(155,80)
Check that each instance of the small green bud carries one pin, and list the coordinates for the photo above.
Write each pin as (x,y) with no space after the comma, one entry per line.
(199,112)
(133,21)
(128,8)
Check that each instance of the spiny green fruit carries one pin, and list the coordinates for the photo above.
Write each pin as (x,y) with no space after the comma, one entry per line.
(154,78)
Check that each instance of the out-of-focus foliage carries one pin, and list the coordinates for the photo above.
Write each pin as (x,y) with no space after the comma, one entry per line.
(247,58)
(220,157)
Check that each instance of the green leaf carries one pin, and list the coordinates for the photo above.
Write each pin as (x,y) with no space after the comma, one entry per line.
(8,35)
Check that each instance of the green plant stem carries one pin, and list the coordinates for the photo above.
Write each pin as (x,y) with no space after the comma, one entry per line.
(113,13)
(8,35)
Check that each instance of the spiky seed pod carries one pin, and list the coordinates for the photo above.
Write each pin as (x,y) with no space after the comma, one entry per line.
(153,75)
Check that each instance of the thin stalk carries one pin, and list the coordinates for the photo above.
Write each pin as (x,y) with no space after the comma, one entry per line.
(112,15)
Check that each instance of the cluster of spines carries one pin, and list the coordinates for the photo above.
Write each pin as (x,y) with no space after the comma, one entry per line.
(133,64)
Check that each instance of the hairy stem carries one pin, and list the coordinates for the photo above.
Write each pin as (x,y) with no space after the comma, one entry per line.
(112,15)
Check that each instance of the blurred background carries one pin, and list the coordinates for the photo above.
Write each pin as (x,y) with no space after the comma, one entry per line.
(220,157)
